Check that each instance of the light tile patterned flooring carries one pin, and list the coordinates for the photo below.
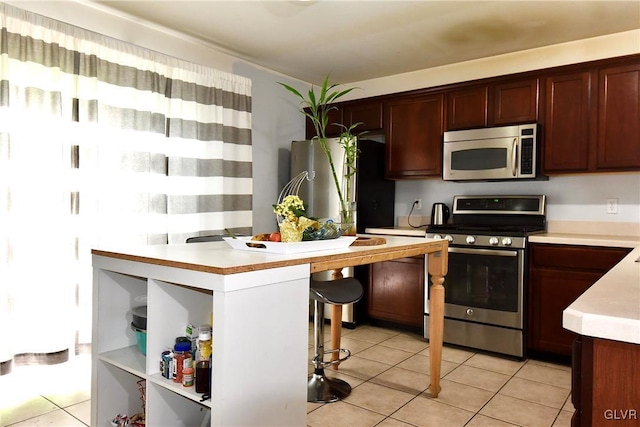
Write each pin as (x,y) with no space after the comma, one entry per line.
(389,373)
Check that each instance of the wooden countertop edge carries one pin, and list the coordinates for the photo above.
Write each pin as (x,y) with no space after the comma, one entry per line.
(334,262)
(194,267)
(318,263)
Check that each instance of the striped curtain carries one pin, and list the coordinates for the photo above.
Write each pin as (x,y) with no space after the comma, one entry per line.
(103,143)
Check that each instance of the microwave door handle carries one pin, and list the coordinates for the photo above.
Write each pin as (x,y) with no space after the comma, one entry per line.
(514,156)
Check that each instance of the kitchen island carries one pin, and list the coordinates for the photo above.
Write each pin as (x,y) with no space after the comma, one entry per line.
(606,355)
(259,303)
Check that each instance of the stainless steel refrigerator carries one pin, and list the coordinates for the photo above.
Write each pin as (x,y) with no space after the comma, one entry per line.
(375,198)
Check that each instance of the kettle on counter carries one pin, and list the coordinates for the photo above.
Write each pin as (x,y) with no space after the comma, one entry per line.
(439,214)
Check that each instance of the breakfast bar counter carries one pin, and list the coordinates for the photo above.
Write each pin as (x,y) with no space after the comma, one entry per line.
(606,353)
(259,304)
(610,309)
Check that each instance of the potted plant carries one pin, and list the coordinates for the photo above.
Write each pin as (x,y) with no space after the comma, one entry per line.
(317,107)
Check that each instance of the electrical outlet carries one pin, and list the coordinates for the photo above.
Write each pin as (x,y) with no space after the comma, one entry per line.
(418,204)
(612,206)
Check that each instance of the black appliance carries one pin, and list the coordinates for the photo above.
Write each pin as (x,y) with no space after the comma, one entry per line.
(485,283)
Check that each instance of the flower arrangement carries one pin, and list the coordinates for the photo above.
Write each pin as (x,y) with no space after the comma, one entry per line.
(294,218)
(316,107)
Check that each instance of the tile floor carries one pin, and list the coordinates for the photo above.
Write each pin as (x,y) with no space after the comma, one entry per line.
(389,373)
(53,395)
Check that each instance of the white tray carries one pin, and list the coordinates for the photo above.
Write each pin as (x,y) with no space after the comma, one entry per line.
(242,243)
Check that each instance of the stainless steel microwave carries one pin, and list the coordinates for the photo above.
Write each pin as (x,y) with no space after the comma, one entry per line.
(498,153)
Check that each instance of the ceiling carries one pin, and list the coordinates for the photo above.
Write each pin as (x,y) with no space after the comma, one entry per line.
(362,40)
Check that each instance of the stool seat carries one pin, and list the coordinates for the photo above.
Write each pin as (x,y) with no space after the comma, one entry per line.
(347,290)
(341,291)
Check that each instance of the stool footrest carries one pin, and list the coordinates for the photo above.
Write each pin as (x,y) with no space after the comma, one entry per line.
(322,364)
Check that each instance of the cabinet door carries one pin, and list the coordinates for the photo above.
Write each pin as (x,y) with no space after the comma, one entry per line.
(618,143)
(369,114)
(396,291)
(515,102)
(333,129)
(414,137)
(566,131)
(551,292)
(558,275)
(467,108)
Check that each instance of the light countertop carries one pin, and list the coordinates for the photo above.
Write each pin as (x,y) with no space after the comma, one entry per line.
(557,238)
(606,240)
(219,258)
(398,231)
(590,233)
(610,308)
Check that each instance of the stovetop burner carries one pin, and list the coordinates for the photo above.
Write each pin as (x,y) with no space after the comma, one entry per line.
(494,230)
(488,217)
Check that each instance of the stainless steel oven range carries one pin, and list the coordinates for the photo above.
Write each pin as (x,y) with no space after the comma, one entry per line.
(485,285)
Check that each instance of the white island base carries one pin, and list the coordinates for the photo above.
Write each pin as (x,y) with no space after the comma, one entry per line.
(260,328)
(257,369)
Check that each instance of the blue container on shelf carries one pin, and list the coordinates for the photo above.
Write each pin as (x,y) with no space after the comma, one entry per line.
(141,338)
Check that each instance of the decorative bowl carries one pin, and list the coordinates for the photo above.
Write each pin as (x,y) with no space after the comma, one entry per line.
(327,229)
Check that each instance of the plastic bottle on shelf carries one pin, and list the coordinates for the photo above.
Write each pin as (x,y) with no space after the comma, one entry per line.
(187,377)
(182,359)
(203,360)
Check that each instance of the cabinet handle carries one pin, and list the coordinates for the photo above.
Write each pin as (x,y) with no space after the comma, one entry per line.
(514,156)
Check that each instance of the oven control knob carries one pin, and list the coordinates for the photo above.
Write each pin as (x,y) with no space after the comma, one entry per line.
(449,238)
(506,241)
(437,236)
(493,241)
(469,311)
(470,240)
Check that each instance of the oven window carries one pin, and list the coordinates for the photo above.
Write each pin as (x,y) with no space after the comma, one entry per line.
(483,281)
(479,159)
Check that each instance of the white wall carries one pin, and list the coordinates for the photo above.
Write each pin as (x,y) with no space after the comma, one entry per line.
(276,120)
(569,198)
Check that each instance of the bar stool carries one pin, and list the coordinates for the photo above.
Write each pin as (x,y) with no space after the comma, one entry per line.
(320,388)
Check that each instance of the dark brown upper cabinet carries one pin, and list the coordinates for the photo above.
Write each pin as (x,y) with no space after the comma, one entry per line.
(567,118)
(618,137)
(413,135)
(333,124)
(589,116)
(467,108)
(368,114)
(493,104)
(592,121)
(515,102)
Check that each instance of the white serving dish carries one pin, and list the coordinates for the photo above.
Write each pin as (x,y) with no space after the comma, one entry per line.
(242,243)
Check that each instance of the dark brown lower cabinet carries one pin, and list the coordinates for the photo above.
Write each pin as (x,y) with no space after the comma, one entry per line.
(558,275)
(396,291)
(605,384)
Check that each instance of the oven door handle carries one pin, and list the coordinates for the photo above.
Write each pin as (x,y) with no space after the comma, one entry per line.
(475,251)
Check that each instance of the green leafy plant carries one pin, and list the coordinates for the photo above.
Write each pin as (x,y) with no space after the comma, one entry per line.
(316,107)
